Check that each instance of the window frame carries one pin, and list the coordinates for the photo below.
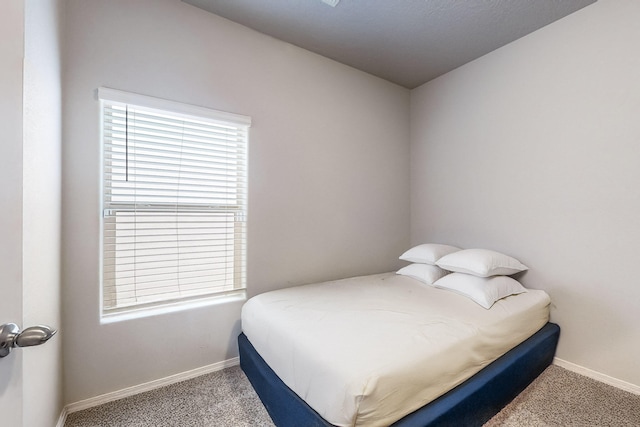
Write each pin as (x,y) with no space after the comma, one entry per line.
(175,110)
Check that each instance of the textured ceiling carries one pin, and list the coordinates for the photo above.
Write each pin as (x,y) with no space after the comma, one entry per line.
(408,42)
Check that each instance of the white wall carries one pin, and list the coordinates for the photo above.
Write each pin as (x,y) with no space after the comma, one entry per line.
(41,208)
(328,182)
(534,150)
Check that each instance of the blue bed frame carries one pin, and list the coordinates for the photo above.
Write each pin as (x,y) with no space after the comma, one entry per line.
(472,403)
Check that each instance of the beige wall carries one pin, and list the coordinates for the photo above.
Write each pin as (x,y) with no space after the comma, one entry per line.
(533,150)
(328,182)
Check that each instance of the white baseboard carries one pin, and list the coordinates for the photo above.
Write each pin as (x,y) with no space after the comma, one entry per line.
(172,379)
(62,418)
(141,388)
(631,388)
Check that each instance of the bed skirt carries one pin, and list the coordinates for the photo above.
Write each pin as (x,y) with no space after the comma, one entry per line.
(472,403)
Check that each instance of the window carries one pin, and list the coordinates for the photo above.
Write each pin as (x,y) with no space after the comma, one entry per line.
(174,201)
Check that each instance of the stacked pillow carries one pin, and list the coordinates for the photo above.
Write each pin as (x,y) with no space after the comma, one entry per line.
(479,274)
(424,258)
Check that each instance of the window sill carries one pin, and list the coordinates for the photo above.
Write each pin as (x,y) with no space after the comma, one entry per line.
(138,313)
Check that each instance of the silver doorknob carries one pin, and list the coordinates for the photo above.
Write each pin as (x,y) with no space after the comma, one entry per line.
(10,337)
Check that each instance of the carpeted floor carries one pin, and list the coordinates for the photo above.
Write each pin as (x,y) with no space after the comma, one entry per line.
(223,398)
(558,398)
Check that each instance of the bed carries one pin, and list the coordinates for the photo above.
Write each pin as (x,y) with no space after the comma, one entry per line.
(388,350)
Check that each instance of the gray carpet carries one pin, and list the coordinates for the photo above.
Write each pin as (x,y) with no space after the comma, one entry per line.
(223,398)
(559,398)
(226,399)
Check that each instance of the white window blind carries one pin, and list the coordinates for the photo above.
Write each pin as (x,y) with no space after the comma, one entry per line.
(175,201)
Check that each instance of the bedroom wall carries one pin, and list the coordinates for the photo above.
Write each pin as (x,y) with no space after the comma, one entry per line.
(328,180)
(533,150)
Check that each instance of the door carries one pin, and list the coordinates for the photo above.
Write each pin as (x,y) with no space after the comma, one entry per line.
(30,206)
(11,111)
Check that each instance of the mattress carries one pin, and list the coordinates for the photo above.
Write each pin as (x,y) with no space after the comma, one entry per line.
(369,350)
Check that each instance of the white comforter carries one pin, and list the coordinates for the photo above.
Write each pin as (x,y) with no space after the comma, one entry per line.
(370,350)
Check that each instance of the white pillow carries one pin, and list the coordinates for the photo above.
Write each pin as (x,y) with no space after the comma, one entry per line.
(483,290)
(481,262)
(423,272)
(427,253)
